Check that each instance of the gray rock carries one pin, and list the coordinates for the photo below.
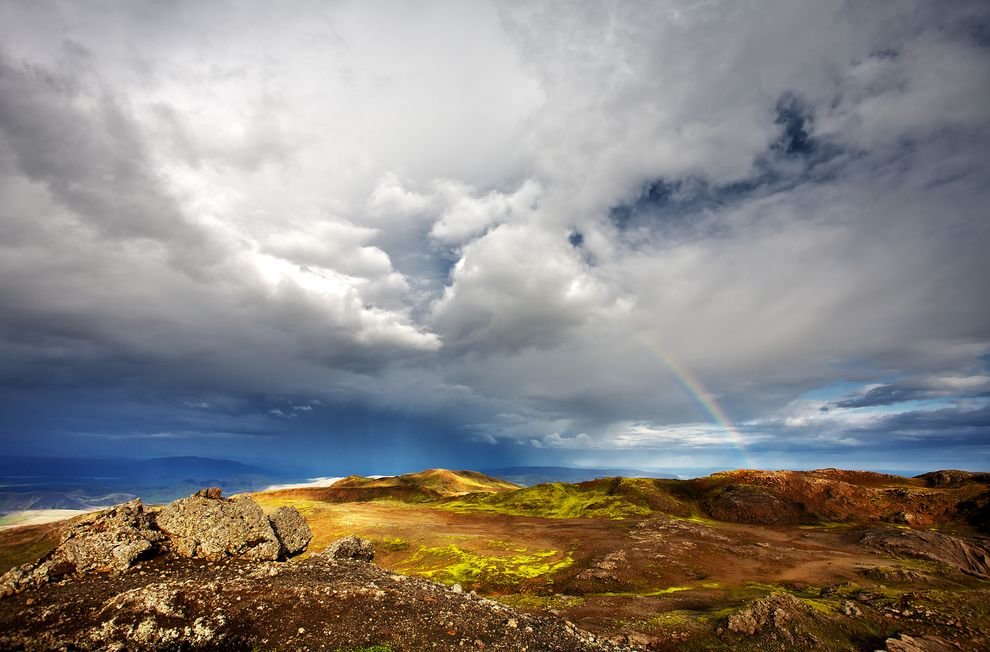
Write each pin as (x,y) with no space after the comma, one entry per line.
(291,530)
(351,548)
(215,528)
(111,540)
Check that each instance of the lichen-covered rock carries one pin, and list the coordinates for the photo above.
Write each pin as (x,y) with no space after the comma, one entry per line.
(351,547)
(215,528)
(955,552)
(779,622)
(772,612)
(291,530)
(111,540)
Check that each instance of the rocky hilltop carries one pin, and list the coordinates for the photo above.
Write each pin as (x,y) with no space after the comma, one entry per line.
(743,560)
(206,572)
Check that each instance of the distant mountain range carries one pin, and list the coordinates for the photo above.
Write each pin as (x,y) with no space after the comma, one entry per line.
(78,483)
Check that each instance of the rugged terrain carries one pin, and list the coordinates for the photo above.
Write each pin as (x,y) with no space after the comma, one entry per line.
(754,560)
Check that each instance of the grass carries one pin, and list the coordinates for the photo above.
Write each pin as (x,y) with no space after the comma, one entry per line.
(552,500)
(452,564)
(11,556)
(392,544)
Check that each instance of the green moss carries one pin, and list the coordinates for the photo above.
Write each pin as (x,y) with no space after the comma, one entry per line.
(648,593)
(454,565)
(552,500)
(824,607)
(667,619)
(392,544)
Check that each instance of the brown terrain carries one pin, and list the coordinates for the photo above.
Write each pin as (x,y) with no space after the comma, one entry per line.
(744,560)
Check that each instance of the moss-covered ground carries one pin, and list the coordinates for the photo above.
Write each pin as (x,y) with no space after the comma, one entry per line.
(452,564)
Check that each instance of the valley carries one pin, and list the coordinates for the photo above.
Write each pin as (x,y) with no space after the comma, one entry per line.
(644,559)
(828,559)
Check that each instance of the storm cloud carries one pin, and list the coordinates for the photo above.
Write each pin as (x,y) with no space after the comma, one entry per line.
(641,234)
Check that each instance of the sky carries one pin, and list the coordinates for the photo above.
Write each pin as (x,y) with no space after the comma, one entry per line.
(383,236)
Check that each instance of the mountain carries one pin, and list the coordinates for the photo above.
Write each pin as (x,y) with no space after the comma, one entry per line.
(530,475)
(81,483)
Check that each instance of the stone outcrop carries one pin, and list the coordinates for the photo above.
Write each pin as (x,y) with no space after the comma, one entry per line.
(932,546)
(779,622)
(215,528)
(350,548)
(772,612)
(204,525)
(112,540)
(291,530)
(317,603)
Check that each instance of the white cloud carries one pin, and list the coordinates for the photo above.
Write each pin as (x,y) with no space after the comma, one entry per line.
(411,206)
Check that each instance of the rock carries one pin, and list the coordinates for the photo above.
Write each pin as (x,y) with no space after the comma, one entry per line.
(213,493)
(215,528)
(968,557)
(351,548)
(774,613)
(905,643)
(850,609)
(111,540)
(291,530)
(312,604)
(904,518)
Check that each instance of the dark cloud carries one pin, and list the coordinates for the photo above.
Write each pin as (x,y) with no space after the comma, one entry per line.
(495,232)
(918,390)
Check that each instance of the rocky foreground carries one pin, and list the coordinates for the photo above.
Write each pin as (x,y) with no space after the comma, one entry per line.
(210,573)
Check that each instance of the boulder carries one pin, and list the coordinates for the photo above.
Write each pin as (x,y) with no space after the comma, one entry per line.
(210,492)
(291,530)
(112,540)
(215,528)
(351,547)
(770,613)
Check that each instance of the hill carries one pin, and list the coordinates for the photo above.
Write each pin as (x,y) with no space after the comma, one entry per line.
(742,560)
(425,486)
(758,497)
(532,475)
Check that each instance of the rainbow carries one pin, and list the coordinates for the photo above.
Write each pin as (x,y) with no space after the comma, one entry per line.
(704,400)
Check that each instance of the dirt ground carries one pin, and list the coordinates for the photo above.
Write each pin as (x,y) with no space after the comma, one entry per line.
(666,582)
(656,583)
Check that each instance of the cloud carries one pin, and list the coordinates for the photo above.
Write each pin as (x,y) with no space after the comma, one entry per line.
(583,228)
(919,389)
